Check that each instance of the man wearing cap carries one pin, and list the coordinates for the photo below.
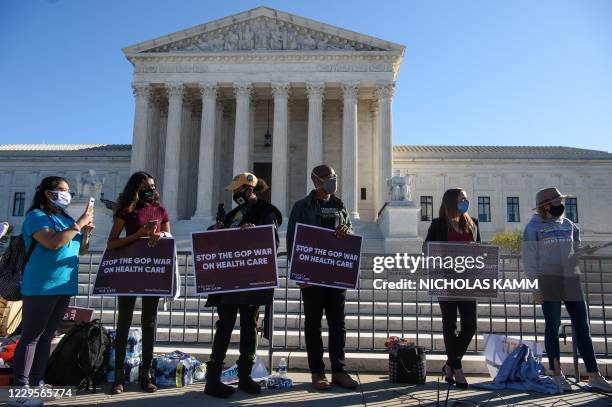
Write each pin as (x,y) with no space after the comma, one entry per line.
(324,209)
(250,212)
(551,246)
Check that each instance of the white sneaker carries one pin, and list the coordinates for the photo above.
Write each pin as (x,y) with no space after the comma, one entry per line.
(600,384)
(562,384)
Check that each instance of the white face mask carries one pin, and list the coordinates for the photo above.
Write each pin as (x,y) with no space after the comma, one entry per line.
(62,199)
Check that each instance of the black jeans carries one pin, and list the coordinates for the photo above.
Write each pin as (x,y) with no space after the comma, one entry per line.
(249,314)
(41,315)
(456,344)
(148,319)
(331,300)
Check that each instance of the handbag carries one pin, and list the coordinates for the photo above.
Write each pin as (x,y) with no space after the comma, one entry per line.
(407,364)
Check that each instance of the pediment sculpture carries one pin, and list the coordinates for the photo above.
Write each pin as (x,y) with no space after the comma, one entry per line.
(264,33)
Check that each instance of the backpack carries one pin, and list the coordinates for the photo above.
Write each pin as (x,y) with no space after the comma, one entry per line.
(81,357)
(12,264)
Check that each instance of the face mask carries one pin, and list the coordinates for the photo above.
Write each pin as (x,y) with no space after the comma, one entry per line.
(147,194)
(463,206)
(556,210)
(62,199)
(241,198)
(329,186)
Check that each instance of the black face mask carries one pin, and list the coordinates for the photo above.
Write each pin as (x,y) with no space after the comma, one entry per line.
(147,194)
(241,198)
(556,210)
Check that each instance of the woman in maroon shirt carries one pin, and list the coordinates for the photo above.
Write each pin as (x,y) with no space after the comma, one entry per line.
(139,212)
(455,225)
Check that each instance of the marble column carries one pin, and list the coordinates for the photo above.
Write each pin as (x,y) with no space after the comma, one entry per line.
(314,152)
(377,182)
(219,154)
(151,162)
(206,160)
(142,93)
(242,91)
(384,93)
(185,187)
(252,133)
(172,157)
(350,167)
(280,174)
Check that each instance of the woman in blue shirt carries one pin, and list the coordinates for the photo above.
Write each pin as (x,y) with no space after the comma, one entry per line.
(50,277)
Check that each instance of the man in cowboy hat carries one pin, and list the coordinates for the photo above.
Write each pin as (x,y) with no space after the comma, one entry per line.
(251,211)
(551,246)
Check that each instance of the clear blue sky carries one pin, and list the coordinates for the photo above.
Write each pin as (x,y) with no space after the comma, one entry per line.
(474,72)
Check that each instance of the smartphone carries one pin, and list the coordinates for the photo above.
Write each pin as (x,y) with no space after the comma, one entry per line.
(152,223)
(92,201)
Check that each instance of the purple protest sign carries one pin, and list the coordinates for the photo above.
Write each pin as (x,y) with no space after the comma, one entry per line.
(78,314)
(462,270)
(320,258)
(137,269)
(227,260)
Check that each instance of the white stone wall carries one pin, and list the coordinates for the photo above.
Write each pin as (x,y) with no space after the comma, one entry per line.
(24,175)
(589,181)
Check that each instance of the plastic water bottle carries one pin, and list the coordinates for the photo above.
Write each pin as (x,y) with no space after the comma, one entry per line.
(282,368)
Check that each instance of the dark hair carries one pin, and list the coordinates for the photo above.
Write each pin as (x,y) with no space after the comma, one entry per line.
(128,198)
(40,200)
(448,209)
(261,186)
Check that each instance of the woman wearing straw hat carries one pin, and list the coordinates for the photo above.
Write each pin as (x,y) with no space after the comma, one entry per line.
(551,246)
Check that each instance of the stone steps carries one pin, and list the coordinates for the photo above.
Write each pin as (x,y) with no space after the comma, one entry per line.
(369,295)
(371,316)
(425,309)
(206,319)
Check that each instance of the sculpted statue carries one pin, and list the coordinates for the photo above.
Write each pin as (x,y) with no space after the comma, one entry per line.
(323,44)
(291,41)
(246,42)
(262,36)
(398,188)
(216,44)
(277,40)
(89,184)
(307,42)
(231,41)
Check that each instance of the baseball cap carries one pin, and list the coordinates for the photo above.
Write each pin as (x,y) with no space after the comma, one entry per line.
(246,178)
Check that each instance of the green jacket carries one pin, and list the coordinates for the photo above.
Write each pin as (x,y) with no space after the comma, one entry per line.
(305,211)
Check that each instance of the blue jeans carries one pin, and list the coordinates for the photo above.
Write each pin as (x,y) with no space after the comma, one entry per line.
(577,311)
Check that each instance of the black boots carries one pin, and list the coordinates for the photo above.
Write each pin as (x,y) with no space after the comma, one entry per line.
(146,381)
(245,383)
(214,387)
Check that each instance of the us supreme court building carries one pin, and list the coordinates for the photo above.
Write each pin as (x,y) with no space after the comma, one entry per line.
(277,94)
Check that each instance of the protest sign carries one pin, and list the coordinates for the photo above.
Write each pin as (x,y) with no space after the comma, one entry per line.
(138,269)
(78,314)
(464,270)
(498,347)
(227,260)
(319,257)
